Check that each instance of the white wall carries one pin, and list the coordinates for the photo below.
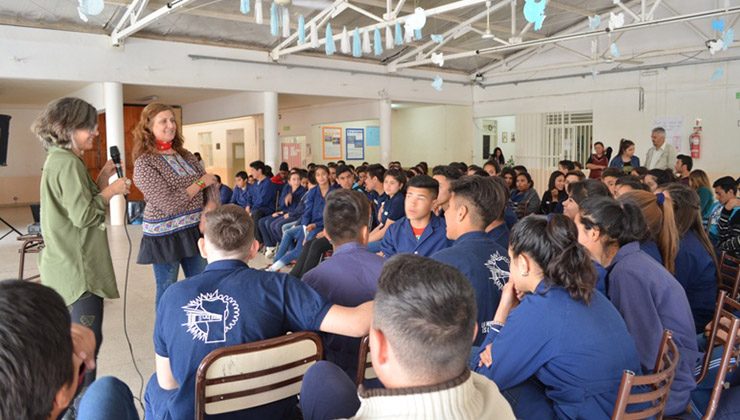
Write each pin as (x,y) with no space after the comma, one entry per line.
(435,134)
(20,180)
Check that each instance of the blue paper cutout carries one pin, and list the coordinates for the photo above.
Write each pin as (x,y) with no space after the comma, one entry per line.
(356,46)
(244,7)
(534,12)
(91,7)
(728,38)
(274,19)
(437,83)
(437,38)
(330,46)
(417,34)
(301,30)
(614,50)
(718,25)
(398,40)
(378,42)
(719,72)
(594,22)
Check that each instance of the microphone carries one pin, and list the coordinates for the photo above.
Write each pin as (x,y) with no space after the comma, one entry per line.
(115,156)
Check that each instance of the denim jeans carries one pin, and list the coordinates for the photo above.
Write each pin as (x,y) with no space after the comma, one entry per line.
(292,241)
(107,398)
(166,274)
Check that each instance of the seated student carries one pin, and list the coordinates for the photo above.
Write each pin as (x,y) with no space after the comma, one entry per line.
(565,166)
(508,175)
(574,176)
(315,248)
(247,305)
(361,177)
(660,241)
(563,334)
(292,218)
(724,227)
(350,276)
(483,262)
(683,166)
(290,199)
(492,167)
(524,199)
(643,291)
(43,358)
(224,191)
(609,177)
(579,191)
(553,198)
(374,188)
(696,264)
(520,169)
(498,230)
(699,181)
(239,195)
(261,196)
(657,178)
(391,206)
(420,232)
(628,183)
(444,175)
(423,324)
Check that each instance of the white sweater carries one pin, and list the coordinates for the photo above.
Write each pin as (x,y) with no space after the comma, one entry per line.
(469,396)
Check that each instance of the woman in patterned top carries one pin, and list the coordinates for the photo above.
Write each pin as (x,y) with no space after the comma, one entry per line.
(173,184)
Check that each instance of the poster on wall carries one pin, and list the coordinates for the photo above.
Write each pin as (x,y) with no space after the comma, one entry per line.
(331,140)
(291,154)
(673,130)
(355,141)
(373,136)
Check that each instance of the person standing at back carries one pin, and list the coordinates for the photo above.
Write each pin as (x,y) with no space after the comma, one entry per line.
(597,162)
(662,155)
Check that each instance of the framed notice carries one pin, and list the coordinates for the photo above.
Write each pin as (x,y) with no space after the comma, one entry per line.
(355,143)
(331,142)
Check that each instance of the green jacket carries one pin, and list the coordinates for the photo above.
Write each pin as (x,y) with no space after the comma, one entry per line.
(76,258)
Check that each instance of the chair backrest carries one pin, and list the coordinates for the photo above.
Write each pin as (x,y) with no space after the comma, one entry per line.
(729,275)
(364,363)
(254,374)
(657,385)
(725,333)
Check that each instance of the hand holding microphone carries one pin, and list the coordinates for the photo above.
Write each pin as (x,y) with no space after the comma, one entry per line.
(121,185)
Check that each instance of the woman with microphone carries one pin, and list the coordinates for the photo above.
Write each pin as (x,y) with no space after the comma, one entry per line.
(76,260)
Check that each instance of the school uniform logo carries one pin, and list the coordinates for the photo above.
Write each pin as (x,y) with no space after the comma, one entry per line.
(498,265)
(210,316)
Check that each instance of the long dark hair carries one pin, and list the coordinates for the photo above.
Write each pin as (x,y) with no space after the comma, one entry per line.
(687,213)
(500,158)
(553,177)
(624,144)
(553,243)
(620,223)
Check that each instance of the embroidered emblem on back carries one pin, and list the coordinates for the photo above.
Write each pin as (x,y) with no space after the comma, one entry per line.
(499,276)
(211,316)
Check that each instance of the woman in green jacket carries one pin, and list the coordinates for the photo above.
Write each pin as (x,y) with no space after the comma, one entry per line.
(76,260)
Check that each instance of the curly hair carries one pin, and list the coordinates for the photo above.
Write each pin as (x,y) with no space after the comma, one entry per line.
(144,141)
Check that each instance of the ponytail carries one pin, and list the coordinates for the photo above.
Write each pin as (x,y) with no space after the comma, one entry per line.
(619,223)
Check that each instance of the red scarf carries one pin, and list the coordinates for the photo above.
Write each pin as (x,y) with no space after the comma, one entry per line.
(163,145)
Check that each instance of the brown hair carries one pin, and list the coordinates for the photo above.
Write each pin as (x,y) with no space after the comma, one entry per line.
(144,141)
(658,212)
(57,123)
(229,228)
(699,178)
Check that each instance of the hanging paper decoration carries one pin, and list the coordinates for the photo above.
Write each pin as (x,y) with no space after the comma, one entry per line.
(718,25)
(344,45)
(286,22)
(258,12)
(356,48)
(715,45)
(438,59)
(408,34)
(594,22)
(377,42)
(417,20)
(274,19)
(719,72)
(398,40)
(314,35)
(366,46)
(330,48)
(614,50)
(417,34)
(244,7)
(388,38)
(91,7)
(301,30)
(437,39)
(437,83)
(534,12)
(728,38)
(616,21)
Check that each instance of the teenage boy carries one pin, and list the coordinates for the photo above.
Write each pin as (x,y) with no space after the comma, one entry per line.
(359,184)
(597,162)
(290,199)
(374,188)
(566,166)
(683,167)
(443,175)
(261,196)
(239,196)
(350,276)
(726,231)
(609,177)
(230,304)
(483,262)
(423,324)
(420,232)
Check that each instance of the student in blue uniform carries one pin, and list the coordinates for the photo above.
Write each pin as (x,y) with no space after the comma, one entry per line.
(661,239)
(643,291)
(483,262)
(444,174)
(290,199)
(350,276)
(696,264)
(239,195)
(420,232)
(230,304)
(498,230)
(390,206)
(224,192)
(261,195)
(562,335)
(374,188)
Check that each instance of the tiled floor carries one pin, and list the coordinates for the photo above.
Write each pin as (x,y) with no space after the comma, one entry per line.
(114,358)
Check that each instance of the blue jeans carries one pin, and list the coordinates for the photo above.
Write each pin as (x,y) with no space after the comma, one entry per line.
(166,274)
(374,247)
(291,245)
(107,398)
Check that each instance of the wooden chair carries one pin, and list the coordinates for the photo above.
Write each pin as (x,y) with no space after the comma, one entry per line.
(729,275)
(658,385)
(364,363)
(30,244)
(254,374)
(726,333)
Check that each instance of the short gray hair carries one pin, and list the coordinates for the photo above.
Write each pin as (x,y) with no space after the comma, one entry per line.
(54,127)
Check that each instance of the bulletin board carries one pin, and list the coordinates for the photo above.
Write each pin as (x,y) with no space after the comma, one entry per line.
(355,144)
(331,142)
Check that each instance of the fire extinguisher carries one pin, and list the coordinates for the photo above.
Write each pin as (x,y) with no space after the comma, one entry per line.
(695,140)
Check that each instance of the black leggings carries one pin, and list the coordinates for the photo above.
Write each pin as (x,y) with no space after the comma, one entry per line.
(310,256)
(88,311)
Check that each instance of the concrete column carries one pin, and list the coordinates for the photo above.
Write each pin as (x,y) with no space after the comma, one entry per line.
(385,131)
(113,93)
(272,141)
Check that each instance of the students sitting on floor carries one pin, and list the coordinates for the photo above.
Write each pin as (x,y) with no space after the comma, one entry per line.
(483,262)
(563,335)
(498,230)
(43,358)
(290,199)
(643,291)
(248,305)
(420,232)
(423,324)
(350,276)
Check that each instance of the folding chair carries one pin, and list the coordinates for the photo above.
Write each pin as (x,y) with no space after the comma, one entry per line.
(364,363)
(729,275)
(254,374)
(30,244)
(658,384)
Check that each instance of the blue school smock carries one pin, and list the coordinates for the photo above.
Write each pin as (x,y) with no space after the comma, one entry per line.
(261,196)
(486,265)
(229,304)
(600,277)
(297,196)
(651,248)
(393,208)
(510,217)
(400,239)
(500,235)
(239,196)
(697,273)
(313,211)
(577,350)
(225,194)
(650,300)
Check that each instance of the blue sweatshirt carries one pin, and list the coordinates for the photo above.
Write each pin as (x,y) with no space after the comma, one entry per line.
(297,195)
(697,273)
(261,196)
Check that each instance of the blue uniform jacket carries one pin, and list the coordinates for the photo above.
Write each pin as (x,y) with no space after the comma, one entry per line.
(261,196)
(297,195)
(500,235)
(650,300)
(314,210)
(400,239)
(393,207)
(486,265)
(577,351)
(239,196)
(697,273)
(225,194)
